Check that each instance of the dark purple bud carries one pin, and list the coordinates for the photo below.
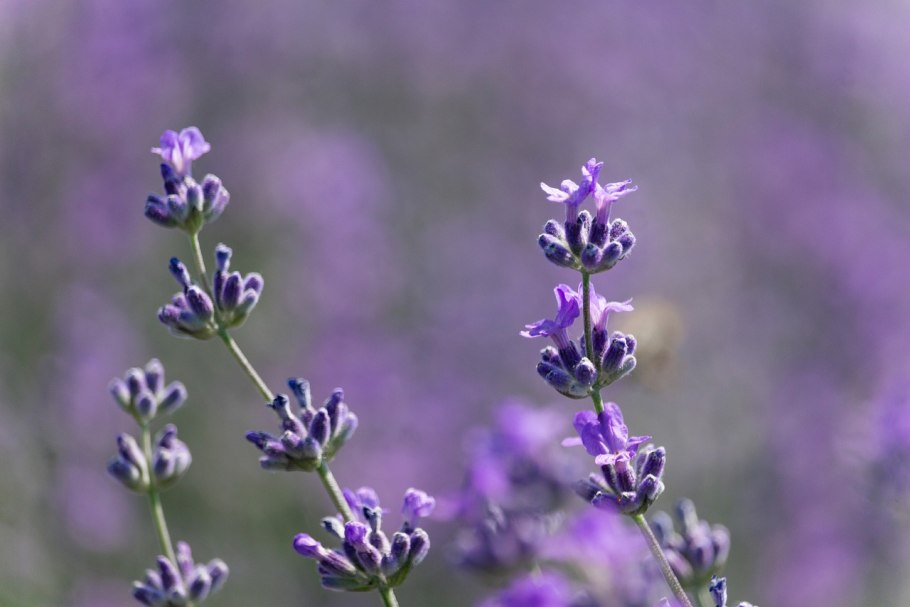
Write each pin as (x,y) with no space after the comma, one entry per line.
(630,345)
(135,382)
(615,353)
(587,489)
(592,256)
(121,393)
(170,578)
(200,303)
(718,590)
(301,390)
(199,584)
(312,450)
(194,197)
(554,228)
(178,208)
(282,406)
(625,476)
(319,428)
(233,289)
(373,517)
(146,405)
(259,438)
(336,563)
(550,355)
(420,547)
(612,253)
(401,545)
(218,571)
(585,372)
(174,397)
(577,232)
(130,451)
(570,355)
(147,596)
(618,228)
(334,398)
(154,375)
(355,533)
(306,546)
(292,443)
(654,463)
(185,559)
(555,376)
(556,250)
(598,233)
(157,210)
(702,553)
(170,178)
(129,475)
(180,273)
(627,241)
(253,282)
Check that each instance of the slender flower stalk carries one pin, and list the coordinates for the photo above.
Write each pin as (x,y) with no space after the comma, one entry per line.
(661,559)
(589,341)
(155,505)
(310,436)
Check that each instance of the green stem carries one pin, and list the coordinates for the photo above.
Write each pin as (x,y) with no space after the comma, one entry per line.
(388,596)
(244,363)
(164,538)
(589,340)
(200,263)
(334,491)
(665,568)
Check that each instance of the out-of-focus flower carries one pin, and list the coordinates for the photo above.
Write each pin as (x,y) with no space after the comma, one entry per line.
(547,589)
(698,551)
(142,392)
(180,583)
(310,437)
(179,150)
(367,557)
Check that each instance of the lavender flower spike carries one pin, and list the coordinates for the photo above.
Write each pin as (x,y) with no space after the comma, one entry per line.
(367,557)
(564,367)
(310,436)
(177,584)
(179,150)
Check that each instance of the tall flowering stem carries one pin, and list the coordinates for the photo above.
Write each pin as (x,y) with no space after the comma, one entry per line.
(310,436)
(593,243)
(589,347)
(155,505)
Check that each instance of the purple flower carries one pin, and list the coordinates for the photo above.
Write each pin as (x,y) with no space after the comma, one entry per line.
(605,436)
(549,589)
(179,150)
(181,582)
(571,194)
(417,504)
(567,302)
(605,196)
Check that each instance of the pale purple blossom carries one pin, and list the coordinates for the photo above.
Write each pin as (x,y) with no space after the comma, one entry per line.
(605,436)
(567,311)
(179,150)
(572,194)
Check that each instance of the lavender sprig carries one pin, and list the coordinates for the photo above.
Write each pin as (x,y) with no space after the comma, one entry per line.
(591,244)
(310,438)
(150,469)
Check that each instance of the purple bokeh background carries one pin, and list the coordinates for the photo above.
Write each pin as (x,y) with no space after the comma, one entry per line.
(384,161)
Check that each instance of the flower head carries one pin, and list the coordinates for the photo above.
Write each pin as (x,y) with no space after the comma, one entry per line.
(179,150)
(567,310)
(605,436)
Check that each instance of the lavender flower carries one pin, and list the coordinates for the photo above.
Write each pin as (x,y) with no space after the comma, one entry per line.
(585,242)
(564,367)
(186,205)
(309,438)
(179,150)
(178,584)
(130,466)
(142,392)
(368,558)
(629,489)
(235,295)
(613,354)
(698,551)
(190,313)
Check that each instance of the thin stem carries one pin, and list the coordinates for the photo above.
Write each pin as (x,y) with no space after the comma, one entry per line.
(200,262)
(589,340)
(334,491)
(248,368)
(665,568)
(388,596)
(164,538)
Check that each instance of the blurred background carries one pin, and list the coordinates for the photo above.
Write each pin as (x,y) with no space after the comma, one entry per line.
(384,162)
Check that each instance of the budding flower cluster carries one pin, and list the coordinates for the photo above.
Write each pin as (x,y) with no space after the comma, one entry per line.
(143,394)
(192,313)
(368,558)
(631,477)
(170,460)
(311,437)
(186,205)
(182,583)
(585,242)
(698,551)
